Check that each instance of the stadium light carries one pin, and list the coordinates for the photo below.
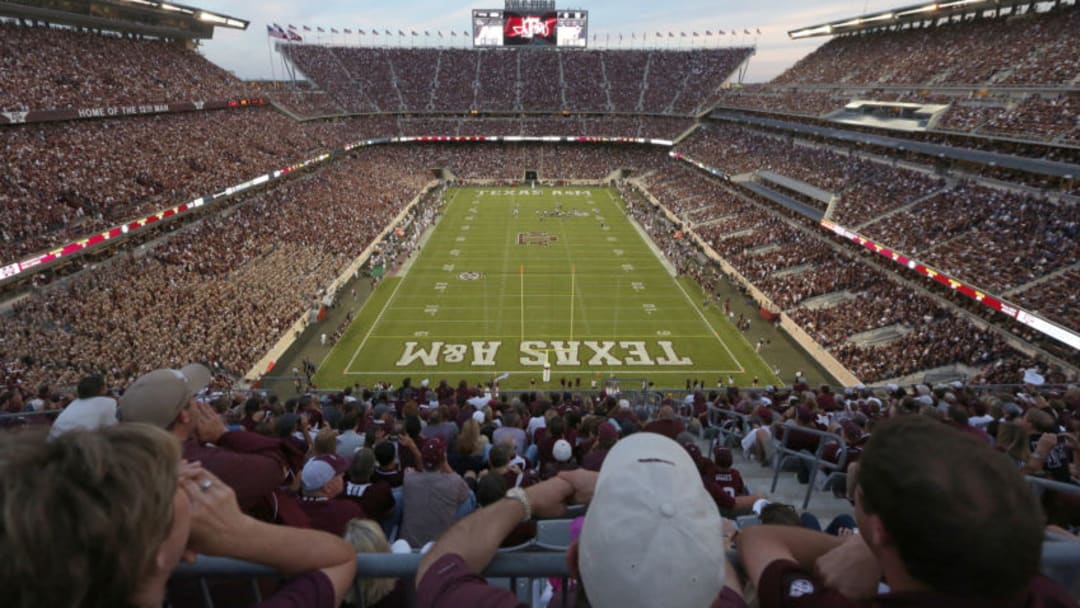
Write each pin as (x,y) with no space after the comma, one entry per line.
(922,9)
(177,9)
(220,20)
(815,31)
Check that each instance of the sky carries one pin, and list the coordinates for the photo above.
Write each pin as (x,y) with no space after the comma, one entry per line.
(247,54)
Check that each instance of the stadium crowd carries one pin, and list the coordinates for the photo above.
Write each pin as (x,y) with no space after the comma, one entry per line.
(790,265)
(459,472)
(48,67)
(222,291)
(69,179)
(403,80)
(1032,49)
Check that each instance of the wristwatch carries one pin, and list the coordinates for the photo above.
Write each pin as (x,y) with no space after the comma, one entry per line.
(519,495)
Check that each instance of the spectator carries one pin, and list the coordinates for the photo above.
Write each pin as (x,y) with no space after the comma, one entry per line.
(367,537)
(251,464)
(92,410)
(375,497)
(916,485)
(322,483)
(649,485)
(82,522)
(432,499)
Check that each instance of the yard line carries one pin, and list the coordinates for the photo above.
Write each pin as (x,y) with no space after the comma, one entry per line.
(378,319)
(689,300)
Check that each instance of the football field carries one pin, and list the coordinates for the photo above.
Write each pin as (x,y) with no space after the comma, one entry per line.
(515,279)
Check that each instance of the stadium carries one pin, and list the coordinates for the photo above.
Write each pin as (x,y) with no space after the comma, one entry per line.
(418,270)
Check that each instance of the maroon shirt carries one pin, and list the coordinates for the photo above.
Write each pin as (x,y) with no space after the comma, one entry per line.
(730,482)
(667,428)
(594,459)
(330,514)
(253,476)
(376,499)
(309,590)
(785,585)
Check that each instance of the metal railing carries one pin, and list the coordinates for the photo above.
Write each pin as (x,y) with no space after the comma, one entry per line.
(514,568)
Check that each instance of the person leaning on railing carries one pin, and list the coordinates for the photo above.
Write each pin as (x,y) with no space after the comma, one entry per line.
(101,518)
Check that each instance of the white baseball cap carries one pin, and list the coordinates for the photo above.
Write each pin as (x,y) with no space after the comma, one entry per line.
(652,536)
(562,450)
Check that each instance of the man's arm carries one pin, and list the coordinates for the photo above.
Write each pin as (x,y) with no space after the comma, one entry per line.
(760,546)
(478,536)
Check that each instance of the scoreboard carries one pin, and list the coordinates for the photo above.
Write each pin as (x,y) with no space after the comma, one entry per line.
(495,27)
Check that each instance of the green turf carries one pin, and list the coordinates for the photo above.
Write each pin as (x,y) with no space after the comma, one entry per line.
(595,284)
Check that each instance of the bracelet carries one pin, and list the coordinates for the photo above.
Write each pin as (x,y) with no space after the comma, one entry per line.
(519,495)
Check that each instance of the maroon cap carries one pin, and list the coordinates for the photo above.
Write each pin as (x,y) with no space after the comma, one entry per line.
(606,432)
(722,456)
(803,414)
(433,451)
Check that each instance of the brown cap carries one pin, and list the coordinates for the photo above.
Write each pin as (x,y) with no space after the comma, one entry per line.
(157,397)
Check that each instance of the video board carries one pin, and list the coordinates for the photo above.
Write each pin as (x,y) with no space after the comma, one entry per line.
(495,28)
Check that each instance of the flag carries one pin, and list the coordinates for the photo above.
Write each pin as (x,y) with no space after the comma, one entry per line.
(293,36)
(454,34)
(347,31)
(292,27)
(427,33)
(275,33)
(361,32)
(333,31)
(439,33)
(374,32)
(721,32)
(413,32)
(633,36)
(659,35)
(307,29)
(620,37)
(696,35)
(671,34)
(746,31)
(758,30)
(320,30)
(683,34)
(389,33)
(400,33)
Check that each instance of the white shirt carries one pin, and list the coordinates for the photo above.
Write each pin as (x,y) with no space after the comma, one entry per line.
(91,414)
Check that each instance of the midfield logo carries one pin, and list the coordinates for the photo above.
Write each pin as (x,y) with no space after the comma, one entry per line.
(542,239)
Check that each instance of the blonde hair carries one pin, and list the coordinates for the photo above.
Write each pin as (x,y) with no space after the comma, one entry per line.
(366,536)
(93,505)
(468,441)
(325,442)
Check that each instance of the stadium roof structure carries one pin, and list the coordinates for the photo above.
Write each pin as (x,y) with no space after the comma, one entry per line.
(146,17)
(915,13)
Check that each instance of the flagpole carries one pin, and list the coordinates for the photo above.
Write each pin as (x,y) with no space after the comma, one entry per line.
(270,57)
